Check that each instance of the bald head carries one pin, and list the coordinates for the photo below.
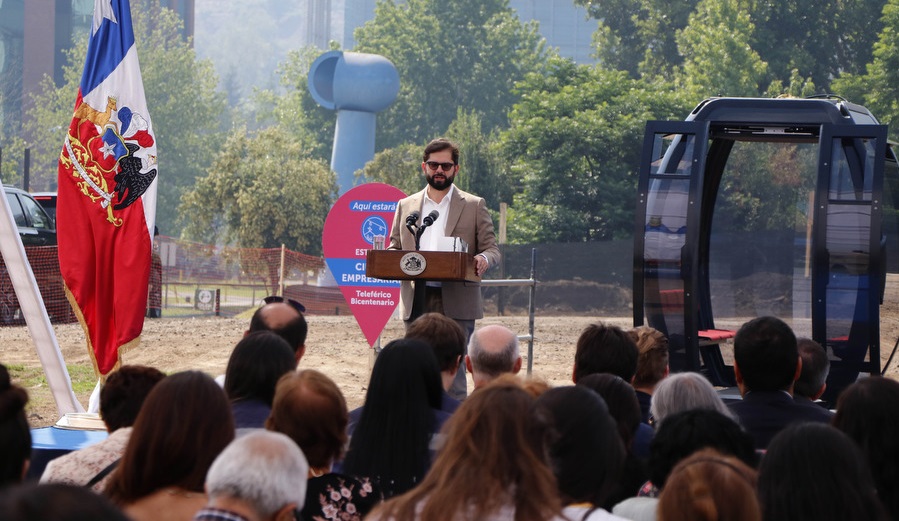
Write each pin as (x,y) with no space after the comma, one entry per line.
(492,351)
(284,320)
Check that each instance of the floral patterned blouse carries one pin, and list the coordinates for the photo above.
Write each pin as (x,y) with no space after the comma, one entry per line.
(339,497)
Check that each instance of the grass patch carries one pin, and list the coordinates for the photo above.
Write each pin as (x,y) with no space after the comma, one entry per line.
(83,378)
(34,381)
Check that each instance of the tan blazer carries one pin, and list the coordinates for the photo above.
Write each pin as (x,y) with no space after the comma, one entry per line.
(469,220)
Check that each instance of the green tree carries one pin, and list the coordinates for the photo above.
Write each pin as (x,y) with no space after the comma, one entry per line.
(292,107)
(467,54)
(261,191)
(184,106)
(399,166)
(878,87)
(574,143)
(482,168)
(11,152)
(718,56)
(820,40)
(637,36)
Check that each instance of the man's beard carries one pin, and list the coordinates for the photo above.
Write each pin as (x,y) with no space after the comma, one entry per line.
(440,185)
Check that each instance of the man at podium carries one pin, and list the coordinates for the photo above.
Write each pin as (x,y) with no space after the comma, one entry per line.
(459,220)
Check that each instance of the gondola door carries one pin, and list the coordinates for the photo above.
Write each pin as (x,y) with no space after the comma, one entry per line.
(849,249)
(667,235)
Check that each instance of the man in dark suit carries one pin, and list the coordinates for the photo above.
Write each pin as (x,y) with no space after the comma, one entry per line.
(766,366)
(461,215)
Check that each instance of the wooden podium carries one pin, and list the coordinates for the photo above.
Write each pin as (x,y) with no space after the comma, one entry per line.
(421,265)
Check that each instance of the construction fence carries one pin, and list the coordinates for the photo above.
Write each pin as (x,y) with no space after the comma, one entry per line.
(195,279)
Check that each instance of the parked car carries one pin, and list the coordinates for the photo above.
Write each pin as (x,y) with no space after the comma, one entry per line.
(38,232)
(47,200)
(36,227)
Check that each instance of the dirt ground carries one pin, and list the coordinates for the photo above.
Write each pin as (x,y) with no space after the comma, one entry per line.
(335,346)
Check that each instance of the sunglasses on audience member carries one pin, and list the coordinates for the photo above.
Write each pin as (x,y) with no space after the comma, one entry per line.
(433,165)
(293,303)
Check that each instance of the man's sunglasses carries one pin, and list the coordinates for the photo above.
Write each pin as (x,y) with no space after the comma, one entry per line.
(434,165)
(293,303)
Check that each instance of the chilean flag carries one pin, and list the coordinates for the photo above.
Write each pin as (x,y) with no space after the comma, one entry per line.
(106,206)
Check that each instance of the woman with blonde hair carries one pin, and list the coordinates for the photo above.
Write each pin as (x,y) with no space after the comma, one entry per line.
(493,465)
(709,486)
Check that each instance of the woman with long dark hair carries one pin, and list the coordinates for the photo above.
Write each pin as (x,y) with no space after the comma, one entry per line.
(585,449)
(391,435)
(254,367)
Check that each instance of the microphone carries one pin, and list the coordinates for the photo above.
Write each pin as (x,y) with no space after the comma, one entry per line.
(412,218)
(430,218)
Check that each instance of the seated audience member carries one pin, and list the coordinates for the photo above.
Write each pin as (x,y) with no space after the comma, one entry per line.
(679,436)
(813,377)
(685,392)
(814,471)
(391,434)
(867,411)
(652,364)
(766,364)
(604,348)
(254,367)
(56,502)
(121,398)
(447,338)
(310,409)
(492,351)
(709,486)
(585,450)
(260,476)
(183,425)
(15,435)
(635,435)
(493,465)
(284,317)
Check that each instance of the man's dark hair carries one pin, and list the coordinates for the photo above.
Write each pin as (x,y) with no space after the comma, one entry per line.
(604,348)
(294,331)
(445,336)
(124,393)
(440,144)
(766,354)
(815,366)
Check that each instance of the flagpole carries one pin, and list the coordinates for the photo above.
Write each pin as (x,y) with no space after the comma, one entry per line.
(36,317)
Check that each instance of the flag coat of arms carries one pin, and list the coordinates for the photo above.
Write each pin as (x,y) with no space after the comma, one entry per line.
(106,205)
